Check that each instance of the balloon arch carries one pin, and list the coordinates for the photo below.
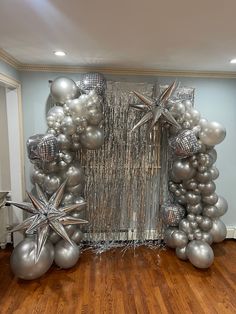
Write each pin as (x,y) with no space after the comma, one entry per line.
(191,216)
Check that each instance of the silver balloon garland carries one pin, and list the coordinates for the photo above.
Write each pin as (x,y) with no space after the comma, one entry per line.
(192,174)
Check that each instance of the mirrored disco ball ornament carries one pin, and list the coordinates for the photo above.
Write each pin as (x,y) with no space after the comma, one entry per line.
(92,81)
(172,214)
(184,144)
(42,147)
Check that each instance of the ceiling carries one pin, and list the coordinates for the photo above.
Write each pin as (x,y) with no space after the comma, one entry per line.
(190,35)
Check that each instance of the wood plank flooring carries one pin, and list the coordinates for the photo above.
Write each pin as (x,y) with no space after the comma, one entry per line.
(142,281)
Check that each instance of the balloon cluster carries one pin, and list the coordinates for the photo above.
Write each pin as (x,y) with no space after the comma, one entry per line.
(192,176)
(74,123)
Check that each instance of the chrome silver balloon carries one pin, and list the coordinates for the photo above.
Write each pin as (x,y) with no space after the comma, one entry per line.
(51,183)
(66,254)
(221,205)
(92,138)
(67,126)
(168,239)
(74,174)
(184,225)
(64,142)
(181,253)
(63,89)
(23,263)
(207,237)
(77,236)
(206,224)
(210,211)
(180,238)
(182,170)
(200,254)
(210,199)
(212,133)
(218,231)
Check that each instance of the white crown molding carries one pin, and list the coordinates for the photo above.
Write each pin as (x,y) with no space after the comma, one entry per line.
(6,57)
(231,232)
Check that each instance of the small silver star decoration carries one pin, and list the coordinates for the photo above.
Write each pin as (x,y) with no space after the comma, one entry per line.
(47,214)
(156,108)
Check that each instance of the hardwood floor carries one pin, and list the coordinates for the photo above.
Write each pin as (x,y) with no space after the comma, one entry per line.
(150,281)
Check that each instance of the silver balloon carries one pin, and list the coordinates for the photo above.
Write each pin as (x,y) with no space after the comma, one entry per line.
(207,237)
(77,236)
(192,198)
(190,184)
(184,225)
(51,184)
(210,211)
(67,199)
(204,177)
(70,229)
(181,253)
(92,138)
(67,126)
(77,189)
(218,231)
(78,107)
(54,237)
(194,209)
(63,89)
(180,238)
(205,224)
(182,170)
(207,188)
(177,109)
(213,153)
(66,254)
(172,214)
(74,175)
(184,144)
(56,113)
(210,199)
(95,117)
(214,172)
(200,254)
(37,176)
(64,142)
(169,241)
(222,206)
(23,262)
(212,133)
(194,116)
(92,81)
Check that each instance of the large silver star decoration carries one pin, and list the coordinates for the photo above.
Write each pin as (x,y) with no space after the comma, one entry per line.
(47,214)
(156,108)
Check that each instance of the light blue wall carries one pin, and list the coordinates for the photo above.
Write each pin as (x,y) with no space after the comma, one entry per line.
(214,98)
(8,70)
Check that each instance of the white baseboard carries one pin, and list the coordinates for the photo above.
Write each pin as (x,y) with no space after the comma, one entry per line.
(231,232)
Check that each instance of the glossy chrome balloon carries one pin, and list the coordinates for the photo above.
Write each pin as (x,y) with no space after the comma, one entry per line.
(180,238)
(169,241)
(181,253)
(66,254)
(182,170)
(67,126)
(92,138)
(63,89)
(210,199)
(23,262)
(200,254)
(222,206)
(213,133)
(206,224)
(218,231)
(74,175)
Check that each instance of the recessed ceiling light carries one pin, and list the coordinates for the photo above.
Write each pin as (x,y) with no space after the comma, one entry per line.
(233,61)
(59,53)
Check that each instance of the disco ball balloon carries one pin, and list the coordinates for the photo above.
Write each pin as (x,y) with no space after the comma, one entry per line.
(172,214)
(184,144)
(92,81)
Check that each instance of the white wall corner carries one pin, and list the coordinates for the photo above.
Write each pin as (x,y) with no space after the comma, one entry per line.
(231,232)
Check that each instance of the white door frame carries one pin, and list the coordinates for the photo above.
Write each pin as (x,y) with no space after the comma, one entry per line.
(18,193)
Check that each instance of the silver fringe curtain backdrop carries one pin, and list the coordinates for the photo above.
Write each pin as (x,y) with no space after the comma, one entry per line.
(126,179)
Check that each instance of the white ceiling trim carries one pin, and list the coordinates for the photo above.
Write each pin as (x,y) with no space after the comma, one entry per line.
(6,57)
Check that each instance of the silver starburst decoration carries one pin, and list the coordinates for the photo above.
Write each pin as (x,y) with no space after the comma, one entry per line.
(47,214)
(156,108)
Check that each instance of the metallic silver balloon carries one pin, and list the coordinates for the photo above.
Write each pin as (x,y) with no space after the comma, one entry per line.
(181,253)
(210,211)
(194,209)
(64,142)
(77,189)
(37,176)
(70,229)
(194,116)
(192,198)
(214,172)
(67,199)
(184,225)
(218,231)
(23,262)
(67,126)
(207,237)
(190,184)
(51,183)
(177,109)
(204,177)
(77,236)
(95,117)
(208,188)
(63,89)
(169,241)
(66,254)
(213,153)
(206,224)
(54,237)
(182,170)
(78,108)
(57,113)
(93,81)
(222,206)
(213,133)
(172,214)
(210,199)
(184,144)
(74,175)
(92,137)
(180,238)
(200,254)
